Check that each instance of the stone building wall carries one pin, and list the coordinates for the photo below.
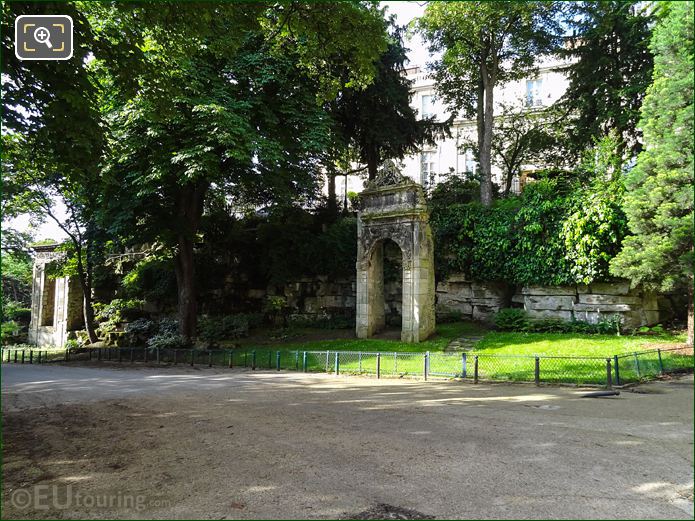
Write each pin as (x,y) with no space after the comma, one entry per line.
(311,298)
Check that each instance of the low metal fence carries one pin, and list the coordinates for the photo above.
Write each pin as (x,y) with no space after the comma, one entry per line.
(607,371)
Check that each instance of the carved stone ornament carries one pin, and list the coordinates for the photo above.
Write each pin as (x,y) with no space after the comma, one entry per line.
(388,174)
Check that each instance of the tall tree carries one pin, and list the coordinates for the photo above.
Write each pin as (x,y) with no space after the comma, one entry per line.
(378,121)
(233,107)
(611,70)
(659,197)
(483,45)
(53,133)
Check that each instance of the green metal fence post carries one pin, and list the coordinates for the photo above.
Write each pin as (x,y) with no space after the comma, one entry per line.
(537,371)
(661,362)
(192,357)
(176,356)
(359,362)
(327,360)
(296,360)
(463,365)
(639,375)
(132,355)
(8,356)
(120,354)
(22,355)
(424,365)
(253,360)
(31,356)
(337,363)
(89,354)
(270,358)
(209,358)
(304,361)
(67,355)
(395,362)
(146,355)
(616,368)
(378,365)
(609,374)
(231,358)
(246,356)
(277,361)
(157,354)
(38,361)
(475,370)
(99,354)
(108,354)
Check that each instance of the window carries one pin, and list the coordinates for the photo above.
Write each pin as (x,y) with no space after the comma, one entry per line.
(427,105)
(534,93)
(426,168)
(470,163)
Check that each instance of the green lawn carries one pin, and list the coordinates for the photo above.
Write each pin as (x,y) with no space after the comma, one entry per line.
(501,355)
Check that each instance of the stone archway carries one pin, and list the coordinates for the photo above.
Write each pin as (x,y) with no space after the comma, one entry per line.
(393,207)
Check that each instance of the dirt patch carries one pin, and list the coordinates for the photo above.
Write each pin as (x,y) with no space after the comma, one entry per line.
(384,511)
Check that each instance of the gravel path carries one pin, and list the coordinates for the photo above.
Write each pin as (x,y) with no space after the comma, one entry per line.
(219,444)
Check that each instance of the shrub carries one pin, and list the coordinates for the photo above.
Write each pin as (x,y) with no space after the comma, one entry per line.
(138,331)
(119,310)
(167,341)
(214,329)
(16,311)
(511,319)
(168,326)
(10,330)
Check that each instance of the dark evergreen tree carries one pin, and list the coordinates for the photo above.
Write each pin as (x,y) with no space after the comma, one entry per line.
(613,69)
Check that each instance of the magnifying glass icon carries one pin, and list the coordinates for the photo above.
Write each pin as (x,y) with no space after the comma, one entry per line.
(43,35)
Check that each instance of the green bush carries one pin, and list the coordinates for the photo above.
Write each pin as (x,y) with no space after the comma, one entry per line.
(119,310)
(215,329)
(167,341)
(553,234)
(16,311)
(511,319)
(10,330)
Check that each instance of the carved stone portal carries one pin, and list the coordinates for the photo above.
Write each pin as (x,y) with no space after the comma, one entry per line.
(393,207)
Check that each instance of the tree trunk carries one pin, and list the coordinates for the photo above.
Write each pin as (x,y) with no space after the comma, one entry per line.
(691,317)
(185,282)
(332,201)
(89,314)
(372,163)
(189,211)
(486,146)
(508,183)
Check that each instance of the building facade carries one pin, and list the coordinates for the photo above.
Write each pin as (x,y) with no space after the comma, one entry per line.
(450,156)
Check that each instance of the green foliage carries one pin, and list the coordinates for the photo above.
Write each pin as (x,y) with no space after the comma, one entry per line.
(611,69)
(379,121)
(152,278)
(321,322)
(593,233)
(12,310)
(553,234)
(9,331)
(511,319)
(167,341)
(659,196)
(230,327)
(119,310)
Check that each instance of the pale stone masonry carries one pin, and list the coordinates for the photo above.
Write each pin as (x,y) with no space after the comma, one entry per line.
(394,208)
(56,303)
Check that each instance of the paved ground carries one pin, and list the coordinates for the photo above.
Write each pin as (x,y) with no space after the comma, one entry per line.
(85,442)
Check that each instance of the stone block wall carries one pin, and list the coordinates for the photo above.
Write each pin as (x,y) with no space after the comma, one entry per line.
(593,303)
(311,298)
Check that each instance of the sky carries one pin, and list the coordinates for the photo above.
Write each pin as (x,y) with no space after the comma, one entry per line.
(404,12)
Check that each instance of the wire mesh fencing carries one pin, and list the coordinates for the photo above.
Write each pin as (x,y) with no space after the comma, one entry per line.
(617,369)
